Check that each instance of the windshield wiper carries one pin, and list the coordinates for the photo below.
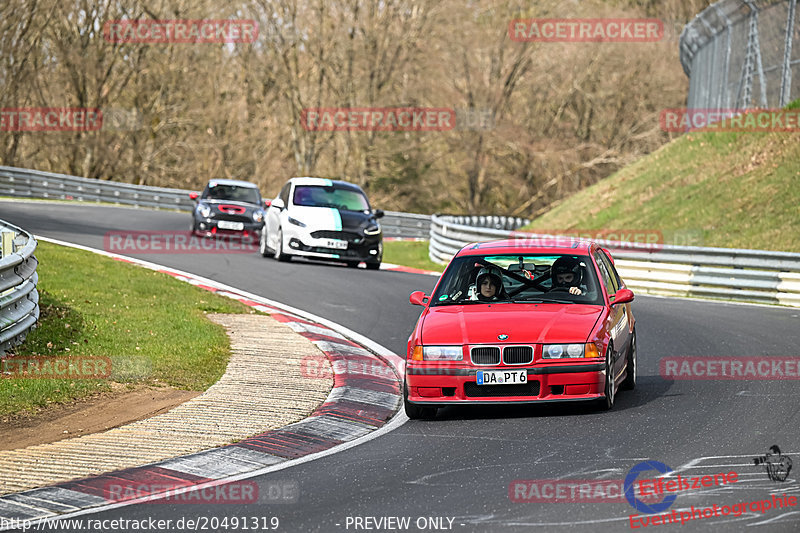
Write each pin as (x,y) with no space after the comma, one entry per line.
(542,301)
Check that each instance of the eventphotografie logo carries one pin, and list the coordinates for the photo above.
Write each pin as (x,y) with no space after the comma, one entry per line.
(583,30)
(50,119)
(775,463)
(152,31)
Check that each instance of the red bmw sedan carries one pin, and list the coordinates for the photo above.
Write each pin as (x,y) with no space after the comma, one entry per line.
(516,321)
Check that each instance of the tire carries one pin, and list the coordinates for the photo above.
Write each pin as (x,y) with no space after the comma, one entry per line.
(279,255)
(262,245)
(414,411)
(373,266)
(351,264)
(630,368)
(608,402)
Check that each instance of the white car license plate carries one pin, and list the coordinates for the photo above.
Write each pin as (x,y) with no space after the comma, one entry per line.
(336,244)
(502,377)
(227,224)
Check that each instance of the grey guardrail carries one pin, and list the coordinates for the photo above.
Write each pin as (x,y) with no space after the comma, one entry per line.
(19,300)
(720,273)
(25,183)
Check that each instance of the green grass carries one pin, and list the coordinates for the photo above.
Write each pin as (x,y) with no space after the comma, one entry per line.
(150,325)
(737,190)
(409,253)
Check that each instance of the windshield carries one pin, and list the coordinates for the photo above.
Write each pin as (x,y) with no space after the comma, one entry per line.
(232,193)
(320,196)
(522,278)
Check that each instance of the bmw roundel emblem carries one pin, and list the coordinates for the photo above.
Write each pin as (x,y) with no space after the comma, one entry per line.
(502,337)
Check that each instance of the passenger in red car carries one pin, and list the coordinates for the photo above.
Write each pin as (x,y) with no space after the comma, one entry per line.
(489,285)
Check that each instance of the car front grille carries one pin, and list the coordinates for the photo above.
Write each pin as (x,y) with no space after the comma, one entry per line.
(473,390)
(340,235)
(486,355)
(518,355)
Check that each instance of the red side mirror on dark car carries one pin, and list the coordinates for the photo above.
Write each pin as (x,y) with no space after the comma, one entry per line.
(194,195)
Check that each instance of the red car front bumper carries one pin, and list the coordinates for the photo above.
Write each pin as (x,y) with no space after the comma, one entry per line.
(545,383)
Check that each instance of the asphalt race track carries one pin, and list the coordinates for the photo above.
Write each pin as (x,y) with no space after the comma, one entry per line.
(457,469)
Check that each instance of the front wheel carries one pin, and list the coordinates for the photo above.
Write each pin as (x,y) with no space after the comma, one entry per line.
(608,402)
(630,370)
(373,266)
(263,249)
(414,411)
(279,255)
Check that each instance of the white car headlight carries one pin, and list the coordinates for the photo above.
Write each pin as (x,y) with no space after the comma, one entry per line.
(204,211)
(442,353)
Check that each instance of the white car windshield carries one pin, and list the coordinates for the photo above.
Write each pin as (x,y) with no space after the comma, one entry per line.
(321,196)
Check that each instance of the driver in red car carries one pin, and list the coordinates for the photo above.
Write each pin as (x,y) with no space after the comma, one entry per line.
(567,274)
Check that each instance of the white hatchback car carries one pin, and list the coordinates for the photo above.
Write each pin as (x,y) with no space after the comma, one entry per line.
(323,219)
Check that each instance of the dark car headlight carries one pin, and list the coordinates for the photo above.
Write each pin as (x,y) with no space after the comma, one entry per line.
(372,230)
(258,216)
(204,210)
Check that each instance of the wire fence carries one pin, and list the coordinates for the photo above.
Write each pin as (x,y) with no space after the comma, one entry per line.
(739,54)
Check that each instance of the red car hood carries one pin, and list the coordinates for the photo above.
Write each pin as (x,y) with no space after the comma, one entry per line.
(523,323)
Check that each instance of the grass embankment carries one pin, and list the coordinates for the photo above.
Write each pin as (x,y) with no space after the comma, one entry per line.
(412,254)
(150,325)
(734,190)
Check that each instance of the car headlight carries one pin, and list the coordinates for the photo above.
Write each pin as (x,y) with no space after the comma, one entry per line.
(296,222)
(258,216)
(438,353)
(569,351)
(372,230)
(204,211)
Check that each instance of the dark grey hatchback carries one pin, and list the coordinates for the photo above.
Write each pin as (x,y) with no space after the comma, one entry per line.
(228,207)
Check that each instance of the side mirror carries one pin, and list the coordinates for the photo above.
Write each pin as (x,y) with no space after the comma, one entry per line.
(267,203)
(379,213)
(623,296)
(418,298)
(278,204)
(194,195)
